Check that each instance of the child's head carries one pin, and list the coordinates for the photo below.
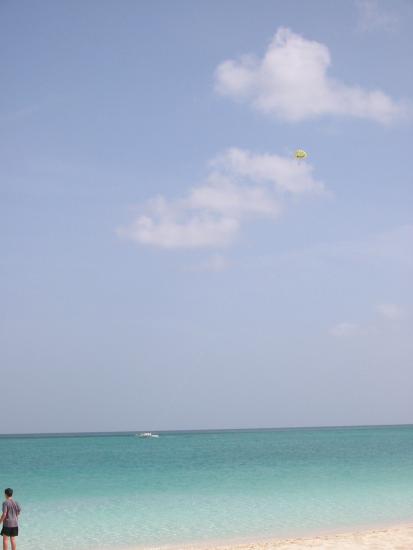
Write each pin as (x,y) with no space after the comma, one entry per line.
(8,492)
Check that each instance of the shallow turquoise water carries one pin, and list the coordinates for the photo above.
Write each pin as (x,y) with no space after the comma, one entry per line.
(82,492)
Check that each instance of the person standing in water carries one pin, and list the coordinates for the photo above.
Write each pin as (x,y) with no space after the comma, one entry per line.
(9,518)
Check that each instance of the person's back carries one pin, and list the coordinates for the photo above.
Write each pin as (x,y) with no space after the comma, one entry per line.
(10,519)
(12,510)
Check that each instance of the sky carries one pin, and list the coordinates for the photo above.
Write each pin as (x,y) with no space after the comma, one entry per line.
(165,261)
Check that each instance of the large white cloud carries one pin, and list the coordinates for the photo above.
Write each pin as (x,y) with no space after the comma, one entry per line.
(240,187)
(291,83)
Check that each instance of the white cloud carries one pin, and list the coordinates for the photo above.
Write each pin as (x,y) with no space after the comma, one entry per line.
(241,186)
(344,329)
(371,17)
(392,312)
(285,173)
(291,82)
(222,195)
(194,232)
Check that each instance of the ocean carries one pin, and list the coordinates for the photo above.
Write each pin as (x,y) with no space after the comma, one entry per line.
(90,491)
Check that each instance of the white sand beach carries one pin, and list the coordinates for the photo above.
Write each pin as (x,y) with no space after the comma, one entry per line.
(392,538)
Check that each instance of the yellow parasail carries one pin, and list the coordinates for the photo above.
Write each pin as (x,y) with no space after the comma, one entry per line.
(300,154)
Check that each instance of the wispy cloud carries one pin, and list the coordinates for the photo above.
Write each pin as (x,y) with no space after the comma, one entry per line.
(291,82)
(373,17)
(240,187)
(391,312)
(344,329)
(392,246)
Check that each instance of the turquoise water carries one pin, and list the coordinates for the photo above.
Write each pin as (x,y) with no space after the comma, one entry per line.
(114,490)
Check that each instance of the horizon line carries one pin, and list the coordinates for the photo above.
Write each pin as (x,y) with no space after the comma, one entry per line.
(197,430)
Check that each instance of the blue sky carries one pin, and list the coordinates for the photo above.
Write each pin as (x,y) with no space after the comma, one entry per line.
(165,262)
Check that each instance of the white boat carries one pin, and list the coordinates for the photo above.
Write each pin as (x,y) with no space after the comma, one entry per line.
(147,434)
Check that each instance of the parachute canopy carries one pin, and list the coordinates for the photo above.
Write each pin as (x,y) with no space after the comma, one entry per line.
(300,154)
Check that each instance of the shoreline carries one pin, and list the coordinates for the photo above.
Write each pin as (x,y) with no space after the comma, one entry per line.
(387,537)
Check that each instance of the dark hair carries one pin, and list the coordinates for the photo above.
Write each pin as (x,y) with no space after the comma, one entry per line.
(8,492)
